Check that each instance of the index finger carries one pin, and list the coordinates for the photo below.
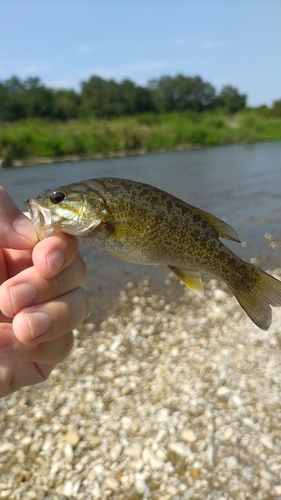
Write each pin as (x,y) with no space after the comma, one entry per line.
(16,230)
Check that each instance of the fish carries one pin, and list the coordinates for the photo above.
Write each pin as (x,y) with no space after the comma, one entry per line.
(145,225)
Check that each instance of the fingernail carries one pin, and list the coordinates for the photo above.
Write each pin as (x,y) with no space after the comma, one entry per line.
(7,338)
(55,260)
(23,227)
(22,295)
(39,323)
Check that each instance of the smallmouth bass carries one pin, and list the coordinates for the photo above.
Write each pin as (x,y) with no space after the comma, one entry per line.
(145,225)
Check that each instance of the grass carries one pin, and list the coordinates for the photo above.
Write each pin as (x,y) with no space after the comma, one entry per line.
(33,139)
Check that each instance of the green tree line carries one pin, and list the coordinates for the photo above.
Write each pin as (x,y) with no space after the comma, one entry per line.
(101,98)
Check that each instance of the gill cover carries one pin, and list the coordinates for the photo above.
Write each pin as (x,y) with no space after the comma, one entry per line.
(72,212)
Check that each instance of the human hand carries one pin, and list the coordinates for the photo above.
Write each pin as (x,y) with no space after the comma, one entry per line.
(40,299)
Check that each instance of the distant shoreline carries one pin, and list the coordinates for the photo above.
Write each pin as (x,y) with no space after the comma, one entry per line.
(32,162)
(38,142)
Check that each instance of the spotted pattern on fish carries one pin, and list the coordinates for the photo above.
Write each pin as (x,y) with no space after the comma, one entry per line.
(146,225)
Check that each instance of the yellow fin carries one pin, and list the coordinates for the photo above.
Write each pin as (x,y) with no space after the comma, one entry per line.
(190,277)
(223,229)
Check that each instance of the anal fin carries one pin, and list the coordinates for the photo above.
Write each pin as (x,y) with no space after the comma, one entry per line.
(190,277)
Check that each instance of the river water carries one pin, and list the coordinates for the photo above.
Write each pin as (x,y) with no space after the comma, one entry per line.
(240,184)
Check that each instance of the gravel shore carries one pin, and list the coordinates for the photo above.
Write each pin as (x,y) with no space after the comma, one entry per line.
(164,401)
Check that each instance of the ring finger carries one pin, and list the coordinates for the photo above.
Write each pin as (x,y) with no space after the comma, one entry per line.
(30,288)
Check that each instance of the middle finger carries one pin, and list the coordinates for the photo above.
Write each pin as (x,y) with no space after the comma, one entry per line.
(30,288)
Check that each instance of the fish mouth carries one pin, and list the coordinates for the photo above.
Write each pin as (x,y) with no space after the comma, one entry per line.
(41,219)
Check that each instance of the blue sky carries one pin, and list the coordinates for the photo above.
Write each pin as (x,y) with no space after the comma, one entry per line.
(64,42)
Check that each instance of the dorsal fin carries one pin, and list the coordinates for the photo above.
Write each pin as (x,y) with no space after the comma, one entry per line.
(223,229)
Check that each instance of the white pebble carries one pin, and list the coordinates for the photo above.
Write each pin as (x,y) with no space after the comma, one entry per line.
(228,433)
(133,451)
(188,436)
(68,452)
(111,482)
(219,295)
(115,451)
(140,484)
(223,393)
(180,449)
(237,400)
(68,489)
(151,459)
(231,463)
(266,441)
(247,472)
(96,492)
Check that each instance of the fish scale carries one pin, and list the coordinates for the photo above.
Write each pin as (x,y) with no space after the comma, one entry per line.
(145,225)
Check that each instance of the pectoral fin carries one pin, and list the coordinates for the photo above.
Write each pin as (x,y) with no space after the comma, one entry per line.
(191,278)
(119,256)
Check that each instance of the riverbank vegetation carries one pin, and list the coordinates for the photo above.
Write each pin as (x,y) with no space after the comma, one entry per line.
(121,118)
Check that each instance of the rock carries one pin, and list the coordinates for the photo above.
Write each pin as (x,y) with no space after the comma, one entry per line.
(219,295)
(3,163)
(151,459)
(68,489)
(172,490)
(231,463)
(133,451)
(180,449)
(96,493)
(223,394)
(266,441)
(4,493)
(95,441)
(228,433)
(247,472)
(200,418)
(111,483)
(236,399)
(68,452)
(115,451)
(72,437)
(140,484)
(196,471)
(188,436)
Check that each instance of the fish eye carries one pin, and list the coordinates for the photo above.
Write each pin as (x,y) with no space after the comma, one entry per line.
(57,196)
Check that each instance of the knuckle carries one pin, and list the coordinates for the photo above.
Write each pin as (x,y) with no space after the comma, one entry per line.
(83,266)
(56,350)
(79,268)
(57,286)
(64,347)
(78,308)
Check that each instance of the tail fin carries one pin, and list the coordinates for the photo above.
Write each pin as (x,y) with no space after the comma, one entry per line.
(264,291)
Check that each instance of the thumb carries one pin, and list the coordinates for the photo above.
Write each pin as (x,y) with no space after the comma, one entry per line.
(16,230)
